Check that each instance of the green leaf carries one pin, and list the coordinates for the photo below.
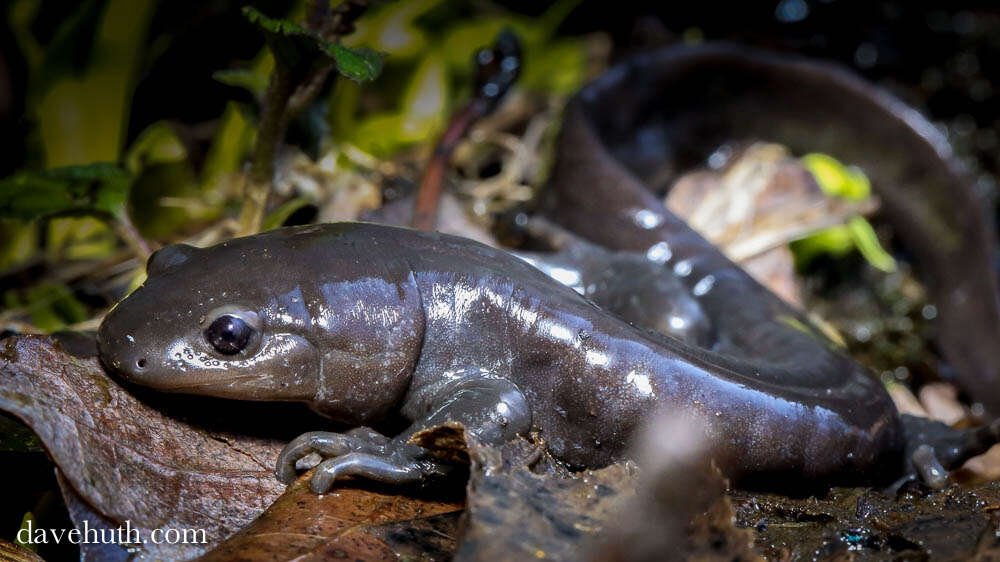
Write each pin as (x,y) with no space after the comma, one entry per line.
(423,112)
(26,523)
(391,28)
(842,239)
(360,65)
(83,117)
(78,238)
(157,144)
(866,241)
(154,187)
(837,180)
(253,82)
(281,214)
(293,46)
(835,241)
(296,48)
(100,188)
(18,242)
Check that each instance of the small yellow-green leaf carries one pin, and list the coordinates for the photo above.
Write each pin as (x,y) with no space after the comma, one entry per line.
(281,214)
(18,242)
(253,82)
(835,241)
(866,240)
(360,65)
(225,157)
(425,101)
(27,522)
(559,68)
(835,179)
(422,115)
(390,29)
(79,238)
(157,144)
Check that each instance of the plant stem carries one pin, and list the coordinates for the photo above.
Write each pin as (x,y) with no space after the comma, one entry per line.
(425,208)
(273,122)
(285,99)
(127,231)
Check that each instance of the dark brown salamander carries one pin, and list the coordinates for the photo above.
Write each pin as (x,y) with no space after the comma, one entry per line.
(367,322)
(628,134)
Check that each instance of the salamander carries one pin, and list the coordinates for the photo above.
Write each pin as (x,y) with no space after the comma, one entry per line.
(628,135)
(365,321)
(368,323)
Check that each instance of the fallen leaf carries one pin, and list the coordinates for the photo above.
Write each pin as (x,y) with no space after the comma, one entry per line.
(762,200)
(130,461)
(10,552)
(369,523)
(941,402)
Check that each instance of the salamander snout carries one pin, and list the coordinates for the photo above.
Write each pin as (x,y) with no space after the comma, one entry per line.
(119,350)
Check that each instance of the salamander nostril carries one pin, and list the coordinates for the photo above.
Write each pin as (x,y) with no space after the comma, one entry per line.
(141,364)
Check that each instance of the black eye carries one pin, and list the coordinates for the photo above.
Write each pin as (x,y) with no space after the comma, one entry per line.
(229,334)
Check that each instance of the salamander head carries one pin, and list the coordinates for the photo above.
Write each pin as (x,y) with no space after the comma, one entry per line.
(218,321)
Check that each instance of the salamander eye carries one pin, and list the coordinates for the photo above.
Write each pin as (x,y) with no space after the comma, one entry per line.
(229,334)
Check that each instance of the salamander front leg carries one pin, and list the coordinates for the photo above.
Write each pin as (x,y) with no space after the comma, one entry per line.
(493,410)
(328,444)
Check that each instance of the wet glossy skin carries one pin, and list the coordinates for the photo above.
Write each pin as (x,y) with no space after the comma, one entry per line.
(628,135)
(366,322)
(362,321)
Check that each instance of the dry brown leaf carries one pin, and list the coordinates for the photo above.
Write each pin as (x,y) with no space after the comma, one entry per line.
(347,523)
(751,209)
(905,401)
(940,400)
(10,552)
(130,461)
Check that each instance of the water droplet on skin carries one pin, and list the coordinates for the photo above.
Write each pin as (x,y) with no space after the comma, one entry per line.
(647,219)
(659,253)
(682,268)
(704,285)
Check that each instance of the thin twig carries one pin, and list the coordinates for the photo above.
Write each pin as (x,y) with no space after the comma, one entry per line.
(273,122)
(127,231)
(285,99)
(497,68)
(425,208)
